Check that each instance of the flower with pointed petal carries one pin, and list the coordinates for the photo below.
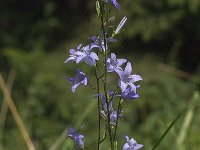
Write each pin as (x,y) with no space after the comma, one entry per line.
(87,55)
(126,79)
(114,64)
(73,56)
(73,134)
(131,144)
(83,54)
(80,78)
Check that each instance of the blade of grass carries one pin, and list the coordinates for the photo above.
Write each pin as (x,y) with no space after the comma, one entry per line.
(187,121)
(16,115)
(4,107)
(170,126)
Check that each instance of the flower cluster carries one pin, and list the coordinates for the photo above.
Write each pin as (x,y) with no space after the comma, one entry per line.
(126,88)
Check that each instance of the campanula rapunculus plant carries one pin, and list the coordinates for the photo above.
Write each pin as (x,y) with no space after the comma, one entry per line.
(109,99)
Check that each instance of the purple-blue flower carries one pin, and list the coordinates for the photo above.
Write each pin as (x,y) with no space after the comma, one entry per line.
(114,2)
(101,45)
(87,55)
(83,54)
(72,55)
(126,79)
(80,78)
(131,144)
(114,64)
(129,94)
(73,134)
(113,117)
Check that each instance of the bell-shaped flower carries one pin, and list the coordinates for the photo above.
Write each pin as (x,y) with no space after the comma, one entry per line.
(114,64)
(126,79)
(80,78)
(73,134)
(131,144)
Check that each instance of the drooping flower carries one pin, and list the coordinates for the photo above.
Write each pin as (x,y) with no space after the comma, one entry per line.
(121,24)
(126,79)
(101,45)
(131,144)
(129,94)
(83,54)
(73,134)
(80,78)
(114,64)
(114,2)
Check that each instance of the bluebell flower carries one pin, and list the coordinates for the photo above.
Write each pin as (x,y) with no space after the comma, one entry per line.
(114,2)
(80,78)
(83,54)
(101,45)
(129,94)
(121,24)
(126,79)
(73,134)
(131,144)
(114,64)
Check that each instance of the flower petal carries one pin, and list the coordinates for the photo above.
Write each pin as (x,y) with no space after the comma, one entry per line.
(94,56)
(121,61)
(128,68)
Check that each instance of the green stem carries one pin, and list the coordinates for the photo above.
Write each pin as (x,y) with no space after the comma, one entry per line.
(98,107)
(105,76)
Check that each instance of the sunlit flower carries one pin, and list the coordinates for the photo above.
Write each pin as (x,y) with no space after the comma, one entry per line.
(83,54)
(126,79)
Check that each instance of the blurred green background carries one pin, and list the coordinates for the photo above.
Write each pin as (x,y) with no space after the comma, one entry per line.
(160,38)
